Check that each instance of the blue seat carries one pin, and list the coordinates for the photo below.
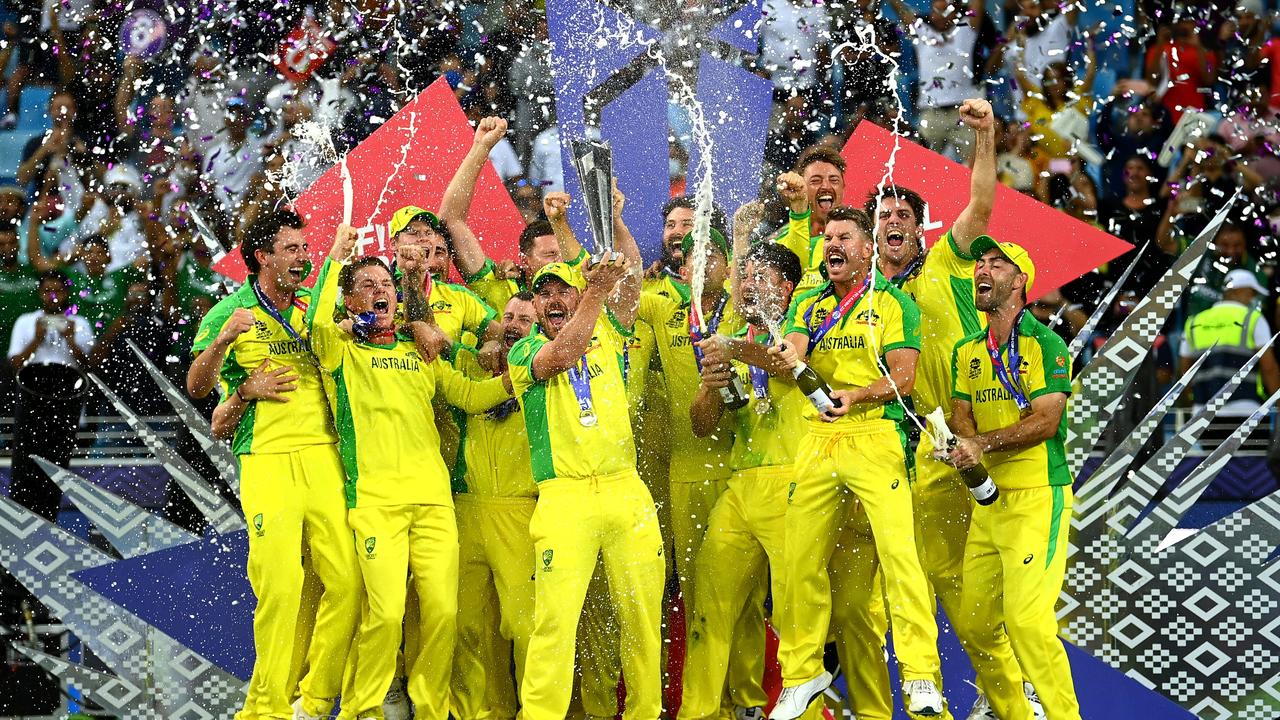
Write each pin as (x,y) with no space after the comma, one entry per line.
(11,145)
(34,112)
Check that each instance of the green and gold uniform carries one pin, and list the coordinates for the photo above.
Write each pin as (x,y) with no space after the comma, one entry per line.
(1016,554)
(795,237)
(290,488)
(496,290)
(493,496)
(863,452)
(743,540)
(398,497)
(591,502)
(699,467)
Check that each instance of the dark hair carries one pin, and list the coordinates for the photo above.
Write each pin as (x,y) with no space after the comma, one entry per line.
(94,239)
(854,215)
(533,231)
(525,295)
(261,235)
(57,275)
(347,277)
(912,197)
(718,219)
(777,257)
(820,153)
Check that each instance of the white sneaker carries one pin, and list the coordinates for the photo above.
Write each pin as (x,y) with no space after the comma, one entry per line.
(300,714)
(1037,709)
(795,700)
(395,706)
(982,710)
(922,698)
(748,713)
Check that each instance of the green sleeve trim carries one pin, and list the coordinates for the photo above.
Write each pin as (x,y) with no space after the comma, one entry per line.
(581,257)
(212,324)
(1049,391)
(791,322)
(799,216)
(1052,349)
(523,352)
(899,345)
(617,325)
(955,248)
(910,319)
(961,396)
(536,427)
(962,297)
(486,270)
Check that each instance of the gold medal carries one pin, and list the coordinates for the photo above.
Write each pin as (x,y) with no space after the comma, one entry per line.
(587,418)
(763,406)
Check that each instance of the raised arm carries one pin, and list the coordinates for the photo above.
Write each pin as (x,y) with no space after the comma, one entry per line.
(625,300)
(555,205)
(973,220)
(904,12)
(456,204)
(326,336)
(571,343)
(745,220)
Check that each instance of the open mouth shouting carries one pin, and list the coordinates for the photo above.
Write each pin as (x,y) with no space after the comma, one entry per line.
(381,307)
(983,289)
(835,258)
(895,238)
(298,274)
(825,200)
(557,317)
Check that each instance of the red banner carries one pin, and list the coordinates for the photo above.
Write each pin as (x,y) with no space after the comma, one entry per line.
(1062,247)
(407,161)
(304,50)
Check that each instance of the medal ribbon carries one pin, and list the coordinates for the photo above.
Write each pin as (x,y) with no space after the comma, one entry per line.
(845,305)
(908,270)
(759,377)
(1009,379)
(713,322)
(270,309)
(580,380)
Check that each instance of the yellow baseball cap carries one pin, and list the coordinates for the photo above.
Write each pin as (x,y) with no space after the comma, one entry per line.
(1012,252)
(564,272)
(407,214)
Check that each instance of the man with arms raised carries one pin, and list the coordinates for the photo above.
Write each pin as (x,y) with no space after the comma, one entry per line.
(591,501)
(384,378)
(1012,379)
(811,191)
(254,345)
(863,335)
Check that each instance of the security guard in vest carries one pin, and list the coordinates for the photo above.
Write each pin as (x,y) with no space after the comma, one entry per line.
(1234,328)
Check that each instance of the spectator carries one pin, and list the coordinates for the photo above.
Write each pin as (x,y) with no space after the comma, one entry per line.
(236,158)
(796,131)
(1131,124)
(1043,37)
(1230,252)
(1182,70)
(861,77)
(1135,218)
(62,147)
(98,294)
(43,30)
(1044,103)
(18,293)
(1240,43)
(545,168)
(945,43)
(1233,328)
(794,51)
(1013,164)
(116,215)
(139,321)
(44,344)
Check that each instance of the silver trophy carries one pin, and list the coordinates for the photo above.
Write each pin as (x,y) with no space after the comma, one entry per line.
(594,163)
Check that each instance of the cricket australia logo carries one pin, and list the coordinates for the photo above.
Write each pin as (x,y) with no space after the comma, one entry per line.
(547,555)
(369,545)
(791,490)
(257,525)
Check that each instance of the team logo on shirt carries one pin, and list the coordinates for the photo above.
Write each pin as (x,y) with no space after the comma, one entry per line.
(677,320)
(791,490)
(261,331)
(868,317)
(820,315)
(975,368)
(257,524)
(1060,366)
(369,544)
(1027,560)
(442,306)
(547,555)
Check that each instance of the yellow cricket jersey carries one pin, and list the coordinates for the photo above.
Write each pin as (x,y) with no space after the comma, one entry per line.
(767,439)
(883,319)
(268,426)
(494,461)
(560,445)
(640,348)
(692,458)
(666,286)
(1043,368)
(458,310)
(497,289)
(795,237)
(381,397)
(943,289)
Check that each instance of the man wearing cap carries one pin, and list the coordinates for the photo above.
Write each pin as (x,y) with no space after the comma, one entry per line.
(1011,382)
(591,501)
(1234,328)
(538,245)
(383,383)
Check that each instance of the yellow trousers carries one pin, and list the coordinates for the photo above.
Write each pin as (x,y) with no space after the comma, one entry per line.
(858,616)
(294,505)
(392,542)
(1014,563)
(576,520)
(599,656)
(742,541)
(495,604)
(869,460)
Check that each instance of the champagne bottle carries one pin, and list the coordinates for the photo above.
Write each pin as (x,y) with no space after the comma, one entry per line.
(814,387)
(980,484)
(734,395)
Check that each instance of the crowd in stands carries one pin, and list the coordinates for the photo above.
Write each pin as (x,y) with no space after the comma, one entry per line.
(111,140)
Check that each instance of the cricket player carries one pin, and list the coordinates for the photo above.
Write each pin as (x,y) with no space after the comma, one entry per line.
(664,275)
(1012,379)
(384,380)
(862,335)
(820,172)
(254,346)
(591,501)
(744,534)
(494,496)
